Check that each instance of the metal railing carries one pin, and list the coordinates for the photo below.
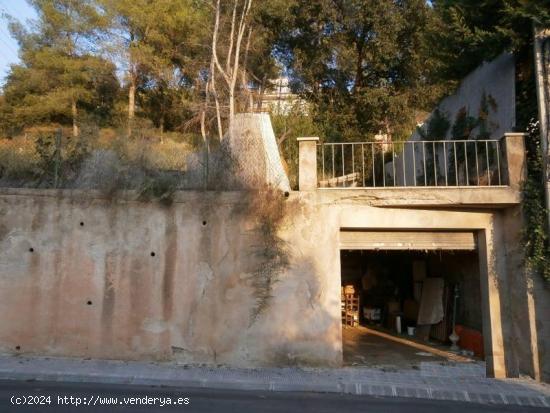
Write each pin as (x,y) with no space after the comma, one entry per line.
(412,163)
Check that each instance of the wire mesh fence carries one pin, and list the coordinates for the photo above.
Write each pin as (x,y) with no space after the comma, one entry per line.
(58,160)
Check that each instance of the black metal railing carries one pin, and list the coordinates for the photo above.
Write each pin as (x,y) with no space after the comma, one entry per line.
(411,163)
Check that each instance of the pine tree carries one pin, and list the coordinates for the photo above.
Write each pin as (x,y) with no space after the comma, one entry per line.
(58,74)
(469,32)
(154,41)
(365,64)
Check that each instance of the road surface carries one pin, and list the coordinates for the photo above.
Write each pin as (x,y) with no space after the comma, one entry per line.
(16,396)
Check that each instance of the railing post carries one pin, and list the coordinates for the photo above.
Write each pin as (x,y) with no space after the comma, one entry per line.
(307,165)
(514,144)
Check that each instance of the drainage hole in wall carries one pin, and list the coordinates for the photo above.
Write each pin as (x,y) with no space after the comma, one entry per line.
(18,348)
(89,302)
(152,253)
(287,194)
(31,249)
(203,223)
(81,224)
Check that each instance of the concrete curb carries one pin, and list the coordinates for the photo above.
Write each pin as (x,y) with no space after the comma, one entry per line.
(356,381)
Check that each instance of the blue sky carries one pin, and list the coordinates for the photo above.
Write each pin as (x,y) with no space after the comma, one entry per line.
(20,10)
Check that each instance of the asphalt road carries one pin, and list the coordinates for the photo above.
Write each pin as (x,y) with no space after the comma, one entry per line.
(56,397)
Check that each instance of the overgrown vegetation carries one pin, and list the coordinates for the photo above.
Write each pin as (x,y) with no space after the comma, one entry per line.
(535,240)
(269,208)
(537,249)
(54,158)
(179,68)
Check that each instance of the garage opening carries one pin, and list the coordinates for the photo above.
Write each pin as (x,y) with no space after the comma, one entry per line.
(404,293)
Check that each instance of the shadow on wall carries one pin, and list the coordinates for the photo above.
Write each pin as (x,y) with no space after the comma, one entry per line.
(293,303)
(313,335)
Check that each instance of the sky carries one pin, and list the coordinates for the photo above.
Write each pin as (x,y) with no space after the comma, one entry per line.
(20,10)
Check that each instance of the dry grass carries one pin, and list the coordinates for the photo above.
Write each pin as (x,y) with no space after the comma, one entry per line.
(18,158)
(89,161)
(168,155)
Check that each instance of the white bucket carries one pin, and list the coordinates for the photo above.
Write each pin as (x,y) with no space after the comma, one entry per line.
(411,331)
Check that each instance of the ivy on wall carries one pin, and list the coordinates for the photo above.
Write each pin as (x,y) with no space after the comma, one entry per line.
(537,249)
(535,237)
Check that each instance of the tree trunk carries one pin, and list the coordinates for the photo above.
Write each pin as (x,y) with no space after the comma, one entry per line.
(74,112)
(231,72)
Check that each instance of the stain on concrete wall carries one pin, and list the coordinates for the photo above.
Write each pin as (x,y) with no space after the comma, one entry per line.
(129,280)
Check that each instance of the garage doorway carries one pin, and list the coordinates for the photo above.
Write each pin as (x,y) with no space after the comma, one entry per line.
(402,293)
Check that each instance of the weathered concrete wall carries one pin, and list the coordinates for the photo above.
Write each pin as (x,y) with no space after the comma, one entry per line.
(540,302)
(91,286)
(192,301)
(529,304)
(497,80)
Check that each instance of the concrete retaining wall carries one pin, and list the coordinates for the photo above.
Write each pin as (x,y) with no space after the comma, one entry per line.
(91,286)
(78,277)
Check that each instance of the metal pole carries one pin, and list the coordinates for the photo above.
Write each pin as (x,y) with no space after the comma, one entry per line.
(352,158)
(454,337)
(414,162)
(404,167)
(424,160)
(477,164)
(435,163)
(373,169)
(333,162)
(363,161)
(497,147)
(487,160)
(456,165)
(393,161)
(343,167)
(542,77)
(57,158)
(323,156)
(383,166)
(466,158)
(445,164)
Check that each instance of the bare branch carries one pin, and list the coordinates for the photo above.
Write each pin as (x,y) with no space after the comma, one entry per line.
(234,72)
(215,44)
(283,137)
(231,35)
(216,100)
(245,72)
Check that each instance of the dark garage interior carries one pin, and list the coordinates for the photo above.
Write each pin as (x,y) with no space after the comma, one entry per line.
(398,306)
